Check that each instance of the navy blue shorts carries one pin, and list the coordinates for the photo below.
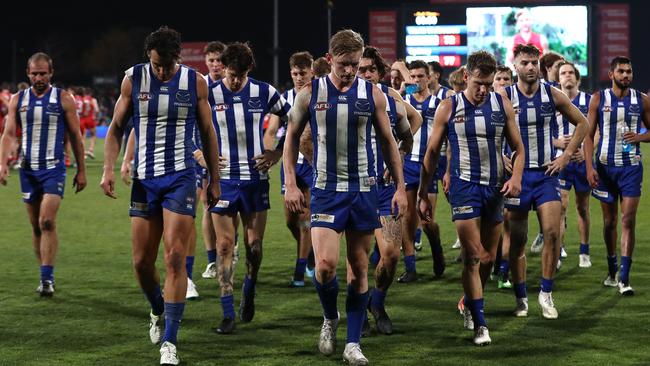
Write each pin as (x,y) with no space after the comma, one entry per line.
(344,210)
(385,193)
(175,192)
(537,188)
(615,181)
(412,177)
(242,196)
(574,175)
(471,200)
(200,174)
(304,176)
(35,183)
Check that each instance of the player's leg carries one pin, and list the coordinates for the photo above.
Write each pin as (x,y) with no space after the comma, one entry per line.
(584,226)
(33,211)
(209,236)
(93,137)
(549,219)
(610,222)
(192,292)
(225,225)
(254,225)
(432,231)
(516,232)
(410,224)
(503,264)
(49,239)
(358,246)
(326,252)
(564,205)
(389,239)
(177,228)
(629,206)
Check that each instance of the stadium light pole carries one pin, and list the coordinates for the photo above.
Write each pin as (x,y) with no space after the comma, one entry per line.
(330,5)
(275,43)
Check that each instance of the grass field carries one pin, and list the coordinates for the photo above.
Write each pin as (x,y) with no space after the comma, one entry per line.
(98,315)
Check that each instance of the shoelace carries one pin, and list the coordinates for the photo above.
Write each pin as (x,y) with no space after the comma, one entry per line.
(327,329)
(355,349)
(548,300)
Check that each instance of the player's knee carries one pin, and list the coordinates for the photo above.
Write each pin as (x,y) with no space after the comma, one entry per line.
(254,251)
(472,261)
(583,211)
(36,230)
(293,226)
(143,265)
(225,244)
(47,224)
(628,220)
(326,269)
(175,258)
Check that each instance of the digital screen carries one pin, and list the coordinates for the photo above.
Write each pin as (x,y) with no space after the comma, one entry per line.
(562,29)
(433,36)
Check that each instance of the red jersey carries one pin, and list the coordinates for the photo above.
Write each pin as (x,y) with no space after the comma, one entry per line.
(88,107)
(78,99)
(535,40)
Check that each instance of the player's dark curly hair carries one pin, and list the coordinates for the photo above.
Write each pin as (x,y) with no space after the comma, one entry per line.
(373,54)
(239,57)
(418,64)
(528,49)
(482,61)
(166,41)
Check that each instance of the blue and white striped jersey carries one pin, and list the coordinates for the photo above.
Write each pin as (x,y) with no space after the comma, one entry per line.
(43,127)
(239,121)
(391,110)
(164,119)
(537,124)
(290,96)
(341,125)
(476,135)
(421,136)
(443,92)
(564,127)
(616,116)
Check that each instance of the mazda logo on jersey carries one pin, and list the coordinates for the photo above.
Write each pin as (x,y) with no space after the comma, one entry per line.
(255,103)
(322,106)
(220,107)
(183,96)
(144,96)
(362,105)
(546,108)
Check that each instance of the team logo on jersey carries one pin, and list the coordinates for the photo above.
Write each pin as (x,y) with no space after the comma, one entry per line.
(634,108)
(607,109)
(460,119)
(322,106)
(220,107)
(144,96)
(362,104)
(255,103)
(183,96)
(546,108)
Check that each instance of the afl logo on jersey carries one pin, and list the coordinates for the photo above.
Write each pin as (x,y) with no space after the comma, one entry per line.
(144,97)
(460,119)
(220,107)
(24,108)
(322,106)
(362,105)
(607,109)
(517,110)
(183,96)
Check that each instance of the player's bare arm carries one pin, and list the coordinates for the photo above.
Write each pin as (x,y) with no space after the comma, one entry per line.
(414,117)
(72,125)
(8,139)
(635,138)
(575,117)
(299,115)
(122,112)
(512,188)
(431,156)
(592,120)
(208,139)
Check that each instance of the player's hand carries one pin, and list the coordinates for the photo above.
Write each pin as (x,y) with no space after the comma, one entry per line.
(558,164)
(108,183)
(563,141)
(213,191)
(223,162)
(126,172)
(578,156)
(399,204)
(511,188)
(425,210)
(294,199)
(507,163)
(631,138)
(388,179)
(267,159)
(446,182)
(198,156)
(79,181)
(4,173)
(592,177)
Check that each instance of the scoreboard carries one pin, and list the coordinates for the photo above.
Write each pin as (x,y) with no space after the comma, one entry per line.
(429,36)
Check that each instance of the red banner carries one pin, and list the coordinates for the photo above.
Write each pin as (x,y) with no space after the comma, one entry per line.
(613,35)
(383,32)
(192,56)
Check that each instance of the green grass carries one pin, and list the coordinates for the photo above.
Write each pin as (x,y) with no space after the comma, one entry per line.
(98,315)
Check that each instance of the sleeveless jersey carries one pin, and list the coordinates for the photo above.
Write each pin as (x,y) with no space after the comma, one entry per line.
(615,117)
(421,136)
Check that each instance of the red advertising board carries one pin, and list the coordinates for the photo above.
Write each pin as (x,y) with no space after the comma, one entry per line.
(383,32)
(192,56)
(613,35)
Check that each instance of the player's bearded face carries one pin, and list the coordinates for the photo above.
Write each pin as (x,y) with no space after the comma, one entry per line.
(39,74)
(527,67)
(622,76)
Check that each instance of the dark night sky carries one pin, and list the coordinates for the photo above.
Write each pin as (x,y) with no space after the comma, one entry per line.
(303,26)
